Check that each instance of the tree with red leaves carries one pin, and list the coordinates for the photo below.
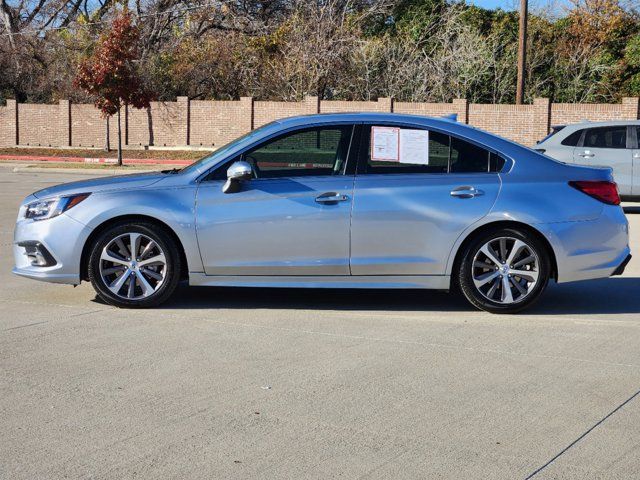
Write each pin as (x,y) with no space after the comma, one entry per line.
(110,74)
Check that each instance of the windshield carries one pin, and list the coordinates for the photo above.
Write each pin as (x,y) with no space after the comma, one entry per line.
(220,153)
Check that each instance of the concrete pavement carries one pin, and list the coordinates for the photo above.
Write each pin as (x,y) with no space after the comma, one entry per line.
(228,383)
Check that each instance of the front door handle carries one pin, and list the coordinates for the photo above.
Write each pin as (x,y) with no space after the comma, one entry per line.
(637,155)
(466,192)
(331,197)
(587,154)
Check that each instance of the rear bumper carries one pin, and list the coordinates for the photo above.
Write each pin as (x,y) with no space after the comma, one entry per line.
(591,249)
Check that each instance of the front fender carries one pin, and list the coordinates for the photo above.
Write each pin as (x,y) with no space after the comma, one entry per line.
(173,206)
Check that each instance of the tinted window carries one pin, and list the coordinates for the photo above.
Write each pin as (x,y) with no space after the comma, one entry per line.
(466,157)
(554,130)
(606,137)
(438,157)
(573,139)
(446,154)
(318,151)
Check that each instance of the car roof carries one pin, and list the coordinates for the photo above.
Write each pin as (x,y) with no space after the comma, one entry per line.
(589,123)
(444,124)
(490,141)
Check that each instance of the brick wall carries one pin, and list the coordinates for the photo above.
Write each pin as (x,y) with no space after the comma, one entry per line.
(204,123)
(523,123)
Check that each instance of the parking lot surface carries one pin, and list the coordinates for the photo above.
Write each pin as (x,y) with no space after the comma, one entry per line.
(254,383)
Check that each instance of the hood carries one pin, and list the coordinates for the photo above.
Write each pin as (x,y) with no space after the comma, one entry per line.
(103,184)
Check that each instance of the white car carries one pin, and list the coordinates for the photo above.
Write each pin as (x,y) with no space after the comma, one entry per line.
(614,144)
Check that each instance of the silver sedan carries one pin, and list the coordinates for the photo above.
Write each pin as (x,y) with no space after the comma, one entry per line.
(341,201)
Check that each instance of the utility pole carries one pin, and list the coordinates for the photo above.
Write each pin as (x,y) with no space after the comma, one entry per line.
(522,52)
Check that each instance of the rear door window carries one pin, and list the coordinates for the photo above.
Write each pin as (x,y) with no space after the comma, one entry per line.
(606,137)
(447,154)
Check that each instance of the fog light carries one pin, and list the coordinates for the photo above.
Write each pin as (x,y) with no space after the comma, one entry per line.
(37,254)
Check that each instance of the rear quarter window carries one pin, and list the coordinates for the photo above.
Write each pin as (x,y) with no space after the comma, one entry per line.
(573,139)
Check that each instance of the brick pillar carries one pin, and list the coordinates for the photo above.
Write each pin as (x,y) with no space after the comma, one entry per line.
(183,130)
(13,127)
(461,109)
(542,117)
(631,108)
(247,115)
(64,118)
(385,104)
(312,104)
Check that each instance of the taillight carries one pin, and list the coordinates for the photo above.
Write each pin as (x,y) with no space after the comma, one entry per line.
(606,192)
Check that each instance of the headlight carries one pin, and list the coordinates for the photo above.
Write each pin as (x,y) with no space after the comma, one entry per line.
(44,209)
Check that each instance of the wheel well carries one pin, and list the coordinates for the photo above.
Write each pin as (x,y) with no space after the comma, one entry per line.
(509,224)
(86,250)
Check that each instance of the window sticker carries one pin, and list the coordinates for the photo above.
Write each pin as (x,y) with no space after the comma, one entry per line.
(385,144)
(414,146)
(402,145)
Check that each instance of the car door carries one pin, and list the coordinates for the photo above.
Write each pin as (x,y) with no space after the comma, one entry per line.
(406,217)
(292,219)
(607,147)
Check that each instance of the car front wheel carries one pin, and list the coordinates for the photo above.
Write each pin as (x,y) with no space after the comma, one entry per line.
(134,265)
(504,270)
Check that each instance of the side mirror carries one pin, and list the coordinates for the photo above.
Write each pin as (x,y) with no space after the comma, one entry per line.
(236,173)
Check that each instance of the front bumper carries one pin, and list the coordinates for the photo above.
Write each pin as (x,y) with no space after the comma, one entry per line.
(61,236)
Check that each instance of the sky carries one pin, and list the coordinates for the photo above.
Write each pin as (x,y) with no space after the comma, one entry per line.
(556,6)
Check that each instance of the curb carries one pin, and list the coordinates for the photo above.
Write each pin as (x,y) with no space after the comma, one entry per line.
(109,161)
(78,171)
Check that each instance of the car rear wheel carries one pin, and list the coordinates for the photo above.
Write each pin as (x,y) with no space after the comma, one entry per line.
(504,270)
(134,265)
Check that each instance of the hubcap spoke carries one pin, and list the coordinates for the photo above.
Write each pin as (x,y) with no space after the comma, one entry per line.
(134,244)
(151,273)
(112,270)
(517,248)
(117,284)
(524,261)
(486,249)
(494,286)
(506,268)
(484,279)
(147,289)
(507,295)
(503,249)
(121,246)
(113,258)
(133,266)
(155,259)
(529,275)
(132,286)
(521,289)
(147,249)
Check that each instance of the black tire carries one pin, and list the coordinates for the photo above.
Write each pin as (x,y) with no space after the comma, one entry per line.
(170,269)
(482,297)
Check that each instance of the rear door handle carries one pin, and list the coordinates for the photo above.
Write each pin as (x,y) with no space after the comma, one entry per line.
(331,197)
(587,154)
(466,192)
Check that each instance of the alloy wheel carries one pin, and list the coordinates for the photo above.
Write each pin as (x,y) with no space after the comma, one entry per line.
(505,270)
(133,266)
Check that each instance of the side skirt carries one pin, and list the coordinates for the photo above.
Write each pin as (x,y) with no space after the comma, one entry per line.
(432,282)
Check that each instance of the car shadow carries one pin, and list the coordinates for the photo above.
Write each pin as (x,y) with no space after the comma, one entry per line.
(606,296)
